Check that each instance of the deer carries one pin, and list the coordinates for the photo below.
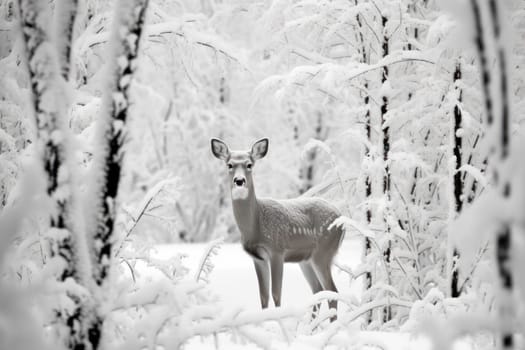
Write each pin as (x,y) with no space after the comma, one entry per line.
(274,232)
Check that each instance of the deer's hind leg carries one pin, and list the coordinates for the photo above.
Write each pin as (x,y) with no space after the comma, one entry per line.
(313,281)
(322,265)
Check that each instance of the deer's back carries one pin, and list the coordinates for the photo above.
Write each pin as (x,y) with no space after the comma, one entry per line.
(296,223)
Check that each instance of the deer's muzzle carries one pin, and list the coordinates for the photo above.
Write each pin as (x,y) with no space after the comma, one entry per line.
(239,181)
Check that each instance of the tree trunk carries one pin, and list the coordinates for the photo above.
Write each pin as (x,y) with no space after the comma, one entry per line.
(457,180)
(53,146)
(65,15)
(111,132)
(368,182)
(504,235)
(224,100)
(387,312)
(500,148)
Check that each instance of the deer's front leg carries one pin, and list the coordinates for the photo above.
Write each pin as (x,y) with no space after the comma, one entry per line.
(263,278)
(276,266)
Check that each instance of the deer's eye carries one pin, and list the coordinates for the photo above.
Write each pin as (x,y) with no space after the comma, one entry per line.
(230,166)
(249,166)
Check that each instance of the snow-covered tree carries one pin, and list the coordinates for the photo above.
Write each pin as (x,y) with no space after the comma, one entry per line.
(457,186)
(66,240)
(111,136)
(497,109)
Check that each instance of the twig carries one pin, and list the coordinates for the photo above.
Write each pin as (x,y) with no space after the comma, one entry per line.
(377,8)
(325,187)
(352,316)
(371,29)
(211,249)
(400,21)
(158,187)
(408,278)
(379,66)
(130,269)
(474,266)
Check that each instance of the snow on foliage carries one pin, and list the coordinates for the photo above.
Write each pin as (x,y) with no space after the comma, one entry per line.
(308,75)
(20,326)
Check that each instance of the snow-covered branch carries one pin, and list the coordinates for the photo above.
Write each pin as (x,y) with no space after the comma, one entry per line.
(209,40)
(332,75)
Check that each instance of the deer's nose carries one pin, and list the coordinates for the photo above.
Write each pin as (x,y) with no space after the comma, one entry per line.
(239,181)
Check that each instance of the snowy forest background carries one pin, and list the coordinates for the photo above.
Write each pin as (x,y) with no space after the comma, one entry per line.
(405,114)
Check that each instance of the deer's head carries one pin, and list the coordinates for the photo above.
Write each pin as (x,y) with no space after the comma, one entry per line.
(240,164)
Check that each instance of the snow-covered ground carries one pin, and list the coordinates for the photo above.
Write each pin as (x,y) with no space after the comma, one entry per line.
(233,277)
(233,280)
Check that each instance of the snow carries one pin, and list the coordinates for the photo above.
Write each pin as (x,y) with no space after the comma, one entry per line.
(233,277)
(313,144)
(475,173)
(292,71)
(233,282)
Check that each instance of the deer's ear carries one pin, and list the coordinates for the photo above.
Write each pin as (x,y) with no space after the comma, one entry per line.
(260,148)
(219,149)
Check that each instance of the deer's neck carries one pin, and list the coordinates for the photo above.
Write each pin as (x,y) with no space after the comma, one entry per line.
(246,213)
